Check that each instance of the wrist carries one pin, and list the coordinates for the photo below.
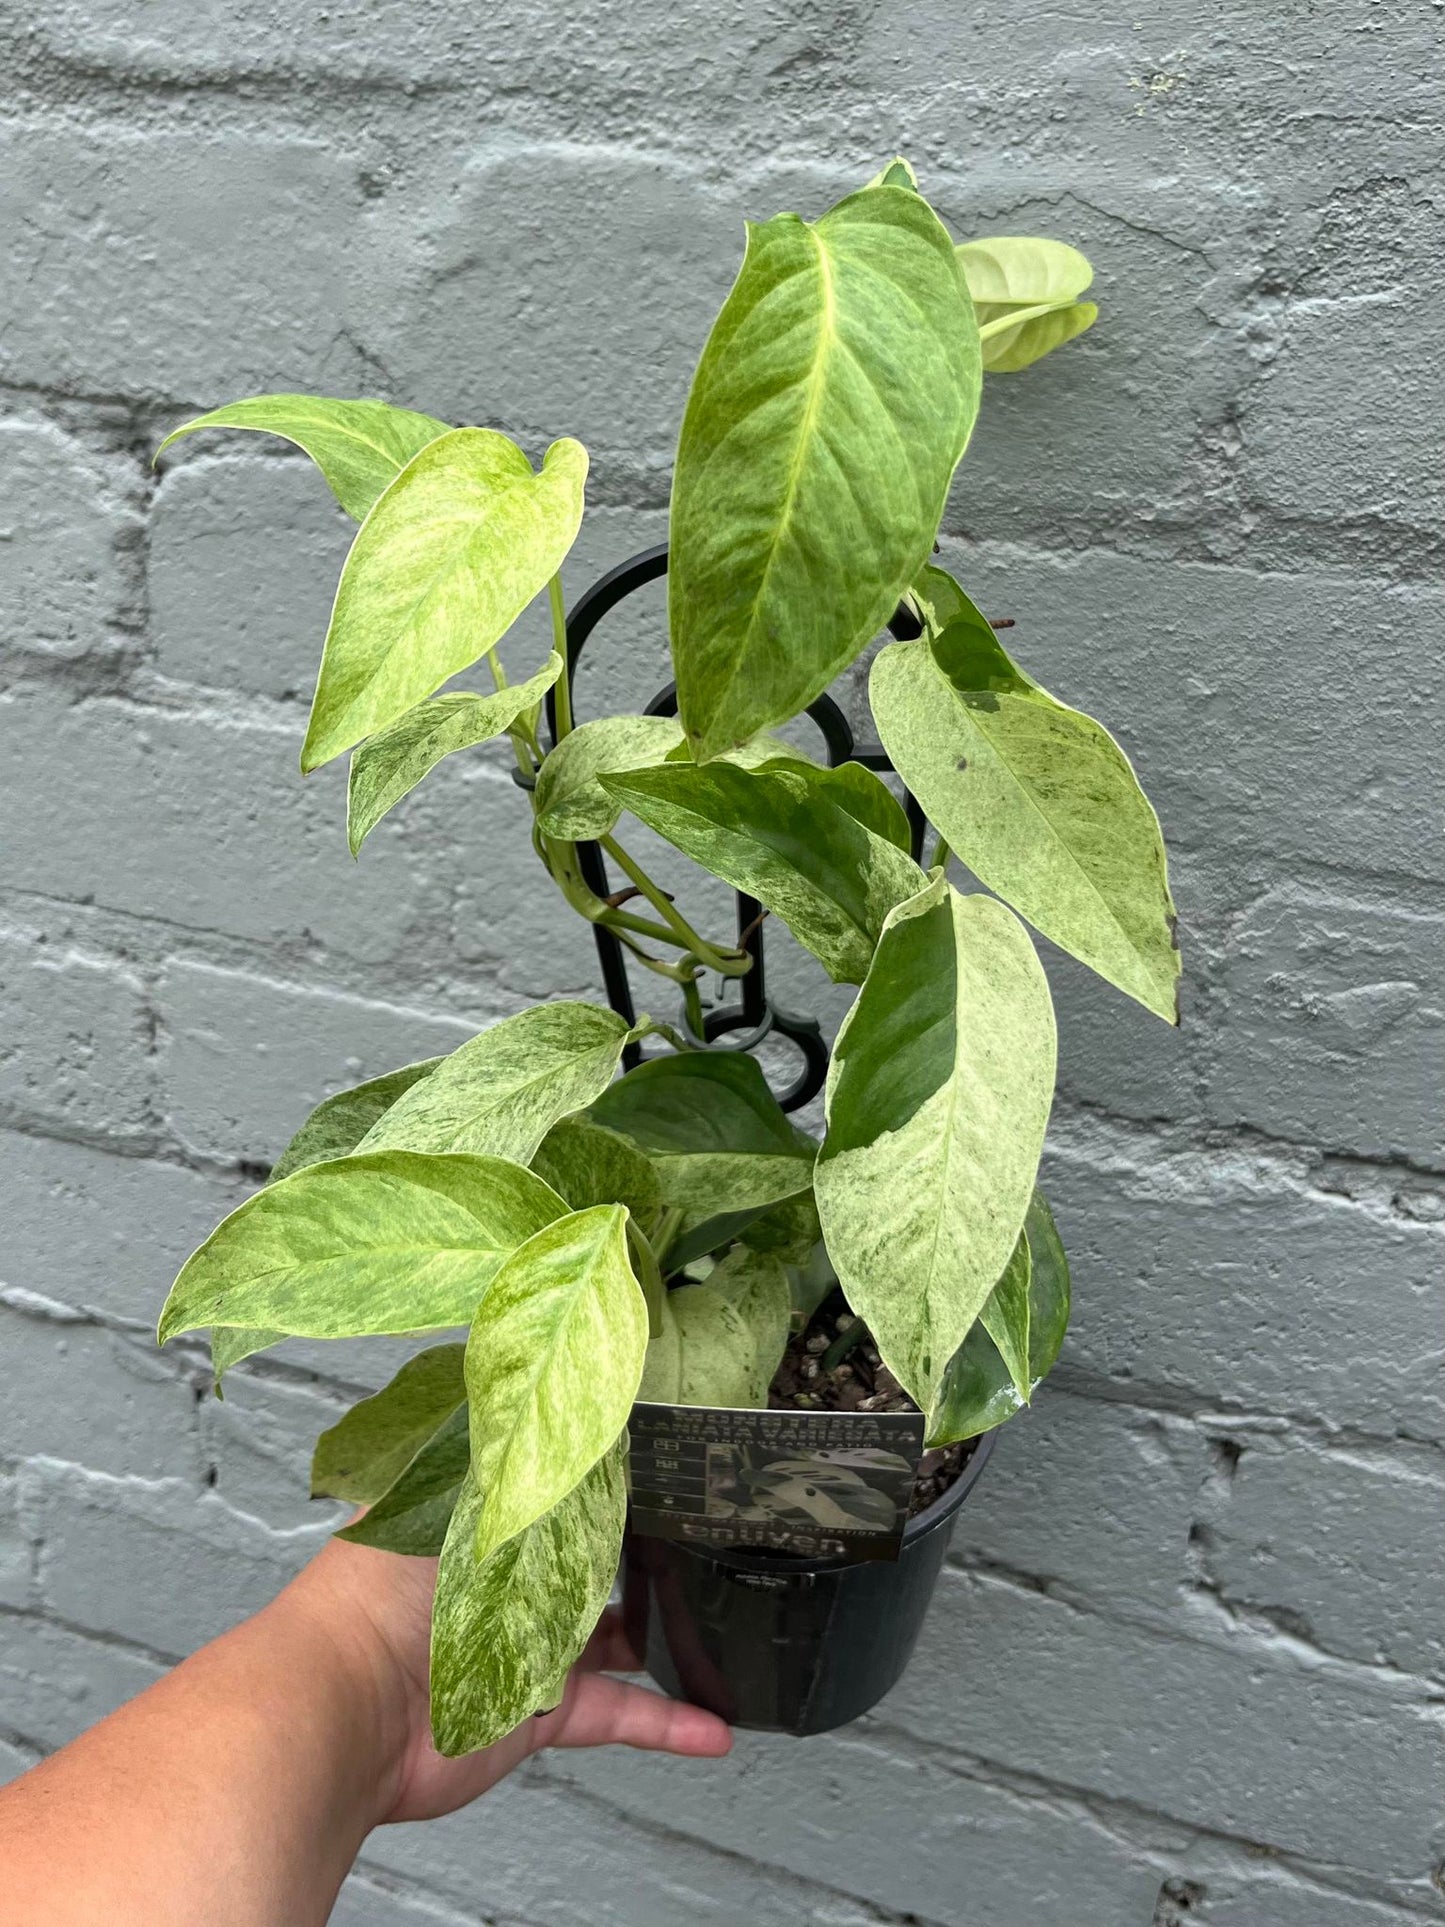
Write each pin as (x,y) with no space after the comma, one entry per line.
(352,1662)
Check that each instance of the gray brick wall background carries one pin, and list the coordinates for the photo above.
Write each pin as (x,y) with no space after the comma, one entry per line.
(1185,1664)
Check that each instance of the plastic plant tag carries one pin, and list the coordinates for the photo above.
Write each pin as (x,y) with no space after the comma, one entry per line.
(818,1485)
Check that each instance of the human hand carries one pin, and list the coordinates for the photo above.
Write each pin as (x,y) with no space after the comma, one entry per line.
(379,1604)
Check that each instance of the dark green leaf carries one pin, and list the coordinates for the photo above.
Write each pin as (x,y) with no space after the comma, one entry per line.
(413,1515)
(363,1454)
(359,446)
(1005,1317)
(389,765)
(717,1137)
(830,407)
(977,1391)
(782,835)
(587,1164)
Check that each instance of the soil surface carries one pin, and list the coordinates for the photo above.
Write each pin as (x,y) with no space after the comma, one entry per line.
(823,1370)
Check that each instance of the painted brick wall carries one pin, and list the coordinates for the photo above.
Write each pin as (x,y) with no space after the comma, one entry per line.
(1185,1664)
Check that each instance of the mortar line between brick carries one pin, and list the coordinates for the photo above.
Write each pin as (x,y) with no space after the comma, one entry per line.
(1116,1815)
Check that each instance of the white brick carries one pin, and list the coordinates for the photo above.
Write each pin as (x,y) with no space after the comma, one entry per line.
(1096,1496)
(204,823)
(183,265)
(244,559)
(1335,1027)
(102,1233)
(62,587)
(74,1039)
(556,263)
(258,1442)
(54,1682)
(1242,1738)
(75,1391)
(161,1563)
(244,1060)
(1347,1548)
(1222,1279)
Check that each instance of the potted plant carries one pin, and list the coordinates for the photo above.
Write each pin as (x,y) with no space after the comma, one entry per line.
(611,1209)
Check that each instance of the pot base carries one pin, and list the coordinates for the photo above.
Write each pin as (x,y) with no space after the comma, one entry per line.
(785,1645)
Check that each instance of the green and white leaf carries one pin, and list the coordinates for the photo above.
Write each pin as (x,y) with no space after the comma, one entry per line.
(1005,1317)
(554,1359)
(570,802)
(1037,799)
(728,1335)
(715,1134)
(661,1382)
(386,1241)
(365,1453)
(338,1124)
(389,765)
(506,1630)
(790,1230)
(898,173)
(359,446)
(937,1100)
(832,403)
(587,1164)
(978,1390)
(503,1090)
(413,1515)
(231,1343)
(783,836)
(450,555)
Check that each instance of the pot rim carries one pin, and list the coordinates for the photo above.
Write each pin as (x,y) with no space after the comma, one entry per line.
(742,1560)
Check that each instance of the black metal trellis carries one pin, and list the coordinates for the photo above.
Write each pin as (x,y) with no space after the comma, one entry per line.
(756,1016)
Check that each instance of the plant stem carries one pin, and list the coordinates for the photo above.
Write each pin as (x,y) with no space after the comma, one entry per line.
(563,684)
(941,854)
(845,1342)
(727,965)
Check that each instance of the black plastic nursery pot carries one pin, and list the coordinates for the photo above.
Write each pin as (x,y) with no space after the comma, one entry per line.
(782,1644)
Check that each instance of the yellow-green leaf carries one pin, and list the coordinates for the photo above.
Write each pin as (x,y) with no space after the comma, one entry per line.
(359,446)
(830,407)
(1036,798)
(449,556)
(506,1630)
(554,1359)
(390,764)
(570,802)
(386,1241)
(365,1452)
(937,1100)
(503,1090)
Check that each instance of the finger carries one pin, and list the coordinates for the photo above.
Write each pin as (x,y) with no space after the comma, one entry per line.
(609,1649)
(610,1712)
